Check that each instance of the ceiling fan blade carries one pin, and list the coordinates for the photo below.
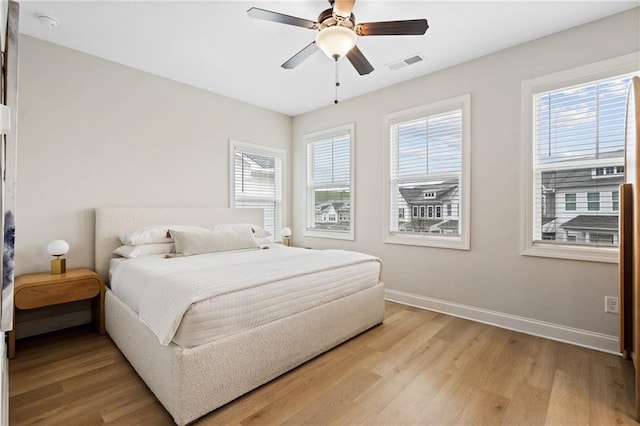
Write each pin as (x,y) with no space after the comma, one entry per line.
(297,59)
(281,18)
(343,8)
(359,62)
(408,27)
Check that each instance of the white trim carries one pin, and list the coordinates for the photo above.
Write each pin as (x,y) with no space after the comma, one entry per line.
(261,150)
(464,209)
(591,72)
(575,336)
(4,381)
(309,138)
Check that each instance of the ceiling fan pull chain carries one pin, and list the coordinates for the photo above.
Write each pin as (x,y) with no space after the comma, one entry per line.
(337,80)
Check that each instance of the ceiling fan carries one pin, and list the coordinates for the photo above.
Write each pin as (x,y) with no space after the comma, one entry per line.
(338,32)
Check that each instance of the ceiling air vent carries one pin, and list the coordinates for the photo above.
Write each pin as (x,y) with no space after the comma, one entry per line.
(403,63)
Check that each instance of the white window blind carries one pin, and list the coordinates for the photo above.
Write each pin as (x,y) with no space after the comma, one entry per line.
(329,184)
(425,175)
(578,138)
(257,182)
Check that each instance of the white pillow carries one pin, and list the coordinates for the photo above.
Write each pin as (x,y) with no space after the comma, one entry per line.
(155,234)
(215,240)
(258,231)
(263,241)
(131,252)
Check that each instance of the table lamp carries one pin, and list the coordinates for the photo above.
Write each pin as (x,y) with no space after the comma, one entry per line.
(58,248)
(286,236)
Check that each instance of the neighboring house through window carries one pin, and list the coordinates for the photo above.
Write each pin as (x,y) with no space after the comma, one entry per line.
(570,202)
(257,180)
(330,183)
(428,170)
(593,201)
(574,144)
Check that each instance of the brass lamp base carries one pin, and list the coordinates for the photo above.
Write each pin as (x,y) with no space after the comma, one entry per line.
(286,241)
(59,266)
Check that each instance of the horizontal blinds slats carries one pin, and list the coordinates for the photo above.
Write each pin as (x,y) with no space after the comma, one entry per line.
(426,161)
(329,183)
(257,180)
(428,145)
(331,160)
(577,202)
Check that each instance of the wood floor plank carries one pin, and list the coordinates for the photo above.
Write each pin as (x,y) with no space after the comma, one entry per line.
(528,406)
(330,405)
(569,400)
(418,368)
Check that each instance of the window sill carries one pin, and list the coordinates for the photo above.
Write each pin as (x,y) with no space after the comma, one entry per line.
(455,243)
(336,235)
(589,254)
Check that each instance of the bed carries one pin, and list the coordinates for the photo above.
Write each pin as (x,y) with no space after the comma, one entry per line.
(195,377)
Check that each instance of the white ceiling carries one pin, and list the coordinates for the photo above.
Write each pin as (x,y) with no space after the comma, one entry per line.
(215,46)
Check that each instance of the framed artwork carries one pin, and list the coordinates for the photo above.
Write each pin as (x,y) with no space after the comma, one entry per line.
(9,159)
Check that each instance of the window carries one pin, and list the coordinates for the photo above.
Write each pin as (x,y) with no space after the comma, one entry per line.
(256,181)
(427,166)
(608,171)
(570,202)
(415,211)
(615,201)
(573,133)
(593,201)
(330,183)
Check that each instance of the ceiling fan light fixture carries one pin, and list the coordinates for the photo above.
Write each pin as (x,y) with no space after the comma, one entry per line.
(343,8)
(336,41)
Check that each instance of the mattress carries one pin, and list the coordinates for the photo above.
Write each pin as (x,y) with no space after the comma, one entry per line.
(243,308)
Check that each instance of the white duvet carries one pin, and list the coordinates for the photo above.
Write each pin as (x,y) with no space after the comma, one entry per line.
(162,290)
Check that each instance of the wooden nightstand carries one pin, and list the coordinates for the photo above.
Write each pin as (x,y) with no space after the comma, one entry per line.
(46,289)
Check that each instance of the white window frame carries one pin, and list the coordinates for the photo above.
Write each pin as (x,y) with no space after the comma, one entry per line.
(462,242)
(316,137)
(280,198)
(575,76)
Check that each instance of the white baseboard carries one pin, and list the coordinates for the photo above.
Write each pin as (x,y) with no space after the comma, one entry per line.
(561,333)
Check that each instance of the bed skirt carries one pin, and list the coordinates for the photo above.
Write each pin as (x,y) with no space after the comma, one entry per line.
(191,382)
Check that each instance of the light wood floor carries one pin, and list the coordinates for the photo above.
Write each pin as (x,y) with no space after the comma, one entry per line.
(419,367)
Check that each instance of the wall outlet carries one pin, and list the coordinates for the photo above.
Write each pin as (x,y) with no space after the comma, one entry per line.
(611,304)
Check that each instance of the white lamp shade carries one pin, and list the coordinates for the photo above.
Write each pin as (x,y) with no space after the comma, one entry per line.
(343,8)
(336,41)
(58,248)
(286,232)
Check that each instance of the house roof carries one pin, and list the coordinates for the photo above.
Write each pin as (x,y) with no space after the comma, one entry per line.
(336,206)
(262,161)
(420,224)
(606,223)
(450,224)
(415,194)
(578,178)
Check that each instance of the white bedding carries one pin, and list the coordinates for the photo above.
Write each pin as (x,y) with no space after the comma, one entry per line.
(245,288)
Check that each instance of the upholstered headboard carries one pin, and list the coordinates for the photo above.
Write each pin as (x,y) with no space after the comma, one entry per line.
(113,221)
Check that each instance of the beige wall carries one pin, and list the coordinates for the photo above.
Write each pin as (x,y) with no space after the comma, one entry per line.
(95,133)
(493,275)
